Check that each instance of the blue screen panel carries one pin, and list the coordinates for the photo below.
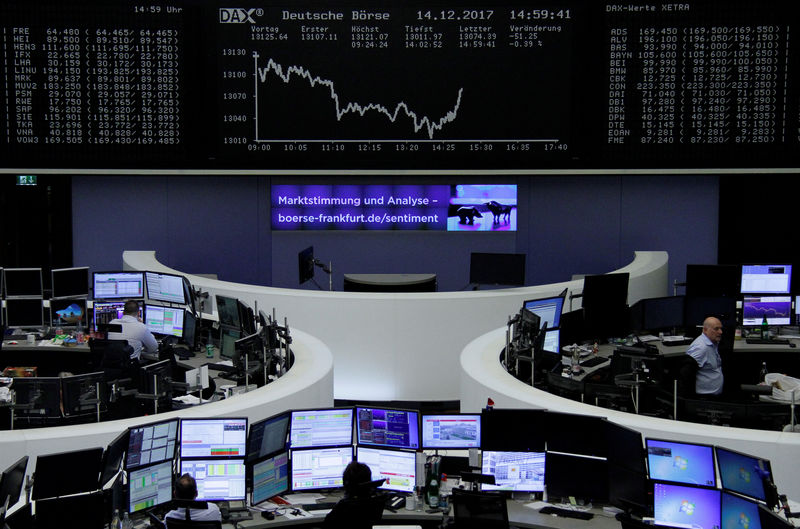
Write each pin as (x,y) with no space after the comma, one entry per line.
(681,462)
(739,513)
(686,507)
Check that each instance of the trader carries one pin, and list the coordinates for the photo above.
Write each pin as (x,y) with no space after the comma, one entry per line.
(361,507)
(186,489)
(705,351)
(134,331)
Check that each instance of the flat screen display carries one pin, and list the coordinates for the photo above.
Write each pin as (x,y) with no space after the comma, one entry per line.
(686,507)
(165,287)
(152,443)
(743,473)
(67,473)
(217,479)
(318,428)
(777,309)
(270,477)
(68,312)
(548,309)
(267,436)
(387,427)
(739,513)
(514,471)
(150,486)
(118,285)
(228,312)
(397,467)
(23,282)
(767,279)
(552,341)
(681,462)
(497,268)
(225,437)
(70,282)
(581,477)
(319,468)
(164,320)
(454,431)
(24,312)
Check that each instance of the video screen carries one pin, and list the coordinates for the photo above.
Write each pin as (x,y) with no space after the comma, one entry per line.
(68,312)
(388,427)
(743,473)
(319,468)
(164,320)
(70,282)
(454,431)
(217,479)
(514,471)
(552,341)
(165,287)
(118,285)
(398,468)
(548,310)
(152,443)
(681,462)
(149,486)
(739,513)
(26,313)
(270,477)
(766,279)
(226,437)
(686,507)
(267,436)
(777,309)
(23,282)
(318,428)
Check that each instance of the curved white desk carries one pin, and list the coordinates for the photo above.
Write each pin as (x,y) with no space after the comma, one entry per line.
(483,377)
(402,346)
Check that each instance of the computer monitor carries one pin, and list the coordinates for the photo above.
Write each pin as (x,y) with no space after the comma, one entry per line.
(630,490)
(397,467)
(305,265)
(323,427)
(777,310)
(743,474)
(681,462)
(739,513)
(164,320)
(104,312)
(218,437)
(319,468)
(24,313)
(88,508)
(604,303)
(684,506)
(68,312)
(270,477)
(155,379)
(548,309)
(12,480)
(150,486)
(113,457)
(497,268)
(767,279)
(67,473)
(118,285)
(625,447)
(711,281)
(44,393)
(23,282)
(228,312)
(189,329)
(658,314)
(576,476)
(515,430)
(445,431)
(217,479)
(514,471)
(699,308)
(81,394)
(70,282)
(388,427)
(575,434)
(227,342)
(165,287)
(151,443)
(247,318)
(267,436)
(552,341)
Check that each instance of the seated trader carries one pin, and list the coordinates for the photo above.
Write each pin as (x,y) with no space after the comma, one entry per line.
(705,352)
(361,506)
(186,489)
(134,331)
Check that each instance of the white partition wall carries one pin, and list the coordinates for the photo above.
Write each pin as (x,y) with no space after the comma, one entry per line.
(402,346)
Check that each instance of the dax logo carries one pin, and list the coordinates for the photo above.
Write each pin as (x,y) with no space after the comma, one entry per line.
(238,15)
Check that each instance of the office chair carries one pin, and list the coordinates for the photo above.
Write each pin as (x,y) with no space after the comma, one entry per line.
(479,510)
(188,523)
(115,357)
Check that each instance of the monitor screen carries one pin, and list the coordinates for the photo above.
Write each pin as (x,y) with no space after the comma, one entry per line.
(397,467)
(24,312)
(70,282)
(514,430)
(11,482)
(78,393)
(655,314)
(189,328)
(67,473)
(580,477)
(689,507)
(267,436)
(112,457)
(387,427)
(604,305)
(227,342)
(151,443)
(777,309)
(552,341)
(497,268)
(766,279)
(317,428)
(681,462)
(43,393)
(88,508)
(704,280)
(150,486)
(548,309)
(743,473)
(625,447)
(739,513)
(217,479)
(270,477)
(451,431)
(164,320)
(23,282)
(514,471)
(105,311)
(165,287)
(305,265)
(223,437)
(228,312)
(573,434)
(118,285)
(319,468)
(68,312)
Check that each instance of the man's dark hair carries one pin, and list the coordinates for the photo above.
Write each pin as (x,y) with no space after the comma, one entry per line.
(131,307)
(356,479)
(186,488)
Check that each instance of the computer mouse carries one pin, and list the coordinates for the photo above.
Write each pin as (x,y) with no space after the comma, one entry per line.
(268,515)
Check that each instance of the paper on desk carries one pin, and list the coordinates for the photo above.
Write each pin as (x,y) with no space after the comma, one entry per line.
(674,338)
(189,399)
(225,363)
(290,514)
(299,499)
(536,505)
(649,338)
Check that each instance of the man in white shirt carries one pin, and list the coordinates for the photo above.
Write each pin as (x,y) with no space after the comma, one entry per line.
(705,351)
(134,331)
(186,489)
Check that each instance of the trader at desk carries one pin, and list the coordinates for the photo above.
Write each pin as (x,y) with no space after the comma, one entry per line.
(705,351)
(186,489)
(361,507)
(134,331)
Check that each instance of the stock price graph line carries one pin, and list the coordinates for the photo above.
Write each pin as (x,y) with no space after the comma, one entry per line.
(285,74)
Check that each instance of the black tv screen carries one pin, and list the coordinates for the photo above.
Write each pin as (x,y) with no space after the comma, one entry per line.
(497,268)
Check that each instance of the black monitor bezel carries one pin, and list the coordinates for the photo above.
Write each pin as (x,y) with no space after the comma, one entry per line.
(736,452)
(220,458)
(39,293)
(250,470)
(56,475)
(23,324)
(183,311)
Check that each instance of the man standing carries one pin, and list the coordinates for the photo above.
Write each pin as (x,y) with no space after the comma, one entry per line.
(705,351)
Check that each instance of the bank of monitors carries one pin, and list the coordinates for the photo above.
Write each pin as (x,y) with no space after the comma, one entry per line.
(67,473)
(270,477)
(118,285)
(676,462)
(217,479)
(514,471)
(451,431)
(267,436)
(165,287)
(320,428)
(319,468)
(22,283)
(766,279)
(218,437)
(548,309)
(24,313)
(387,427)
(686,506)
(575,434)
(164,320)
(777,310)
(150,485)
(397,467)
(744,474)
(70,282)
(151,443)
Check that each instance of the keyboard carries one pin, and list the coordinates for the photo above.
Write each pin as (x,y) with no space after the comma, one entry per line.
(222,367)
(673,343)
(566,513)
(594,361)
(239,516)
(767,341)
(321,506)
